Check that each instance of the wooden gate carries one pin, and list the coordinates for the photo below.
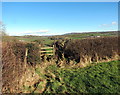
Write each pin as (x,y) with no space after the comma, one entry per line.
(47,51)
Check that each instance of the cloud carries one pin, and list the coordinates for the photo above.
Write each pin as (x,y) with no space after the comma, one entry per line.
(42,31)
(105,25)
(114,23)
(35,32)
(108,25)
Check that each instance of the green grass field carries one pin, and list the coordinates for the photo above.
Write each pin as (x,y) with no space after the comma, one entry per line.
(47,41)
(44,40)
(102,78)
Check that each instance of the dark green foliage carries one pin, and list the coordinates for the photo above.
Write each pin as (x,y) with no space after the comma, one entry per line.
(33,53)
(102,78)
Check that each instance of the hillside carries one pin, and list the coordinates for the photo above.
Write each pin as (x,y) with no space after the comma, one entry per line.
(48,40)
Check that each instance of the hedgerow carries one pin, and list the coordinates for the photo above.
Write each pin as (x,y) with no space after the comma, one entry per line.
(15,72)
(33,53)
(12,69)
(19,49)
(89,50)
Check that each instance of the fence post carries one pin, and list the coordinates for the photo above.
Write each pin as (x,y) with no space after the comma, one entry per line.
(53,50)
(25,59)
(40,51)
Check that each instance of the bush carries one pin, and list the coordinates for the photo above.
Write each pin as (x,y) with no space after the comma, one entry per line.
(58,49)
(97,49)
(19,50)
(91,50)
(33,56)
(33,53)
(12,69)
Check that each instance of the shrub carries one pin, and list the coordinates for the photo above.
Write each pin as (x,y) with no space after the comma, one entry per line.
(12,69)
(58,49)
(15,73)
(33,53)
(19,50)
(91,50)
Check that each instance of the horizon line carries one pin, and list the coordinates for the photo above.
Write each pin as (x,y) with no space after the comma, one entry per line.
(67,33)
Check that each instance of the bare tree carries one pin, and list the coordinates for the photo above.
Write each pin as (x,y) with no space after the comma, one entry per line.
(2,29)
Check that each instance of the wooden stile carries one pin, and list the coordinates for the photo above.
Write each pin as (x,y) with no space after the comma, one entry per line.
(43,51)
(47,51)
(46,47)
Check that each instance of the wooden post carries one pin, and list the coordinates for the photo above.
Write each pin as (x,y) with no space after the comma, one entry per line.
(45,58)
(53,51)
(40,51)
(25,59)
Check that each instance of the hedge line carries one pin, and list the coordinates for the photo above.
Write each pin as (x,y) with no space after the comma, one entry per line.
(91,50)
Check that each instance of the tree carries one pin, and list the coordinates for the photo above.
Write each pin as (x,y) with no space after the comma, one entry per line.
(2,29)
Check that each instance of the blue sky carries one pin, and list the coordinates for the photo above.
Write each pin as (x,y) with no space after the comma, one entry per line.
(54,18)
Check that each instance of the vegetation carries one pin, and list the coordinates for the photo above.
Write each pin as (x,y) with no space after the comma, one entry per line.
(33,53)
(48,40)
(88,50)
(12,69)
(100,78)
(64,73)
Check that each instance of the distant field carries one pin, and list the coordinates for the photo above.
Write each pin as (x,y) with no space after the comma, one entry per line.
(47,41)
(44,40)
(87,35)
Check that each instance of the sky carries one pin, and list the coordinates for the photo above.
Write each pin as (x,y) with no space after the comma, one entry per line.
(60,0)
(56,18)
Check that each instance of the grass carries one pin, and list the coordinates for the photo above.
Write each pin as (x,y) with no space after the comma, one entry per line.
(101,78)
(84,35)
(46,41)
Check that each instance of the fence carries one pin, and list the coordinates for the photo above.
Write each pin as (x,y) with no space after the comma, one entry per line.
(44,51)
(47,51)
